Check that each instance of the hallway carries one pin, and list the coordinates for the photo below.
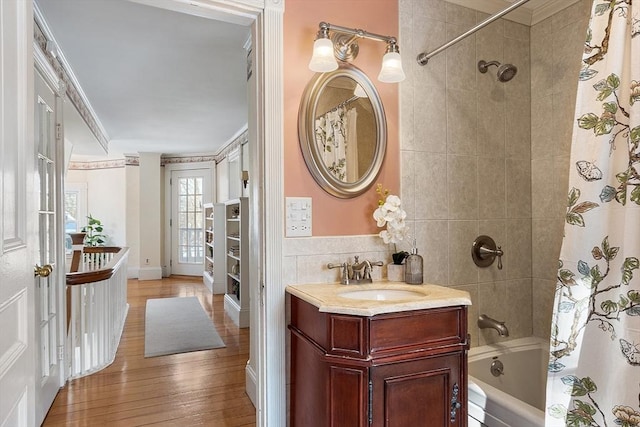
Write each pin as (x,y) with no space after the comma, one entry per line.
(197,388)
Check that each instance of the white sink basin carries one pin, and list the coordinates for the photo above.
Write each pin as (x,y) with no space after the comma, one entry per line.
(381,294)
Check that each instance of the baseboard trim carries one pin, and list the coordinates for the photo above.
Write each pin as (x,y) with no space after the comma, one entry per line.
(150,273)
(251,383)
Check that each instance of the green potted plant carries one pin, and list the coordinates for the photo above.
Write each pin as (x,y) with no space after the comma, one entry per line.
(94,230)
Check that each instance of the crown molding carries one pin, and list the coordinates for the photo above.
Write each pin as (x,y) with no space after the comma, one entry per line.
(41,35)
(548,9)
(525,14)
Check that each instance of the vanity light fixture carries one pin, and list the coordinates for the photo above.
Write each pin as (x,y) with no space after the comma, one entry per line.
(342,43)
(359,92)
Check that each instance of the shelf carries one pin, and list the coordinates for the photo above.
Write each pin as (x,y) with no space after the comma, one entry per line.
(236,262)
(215,247)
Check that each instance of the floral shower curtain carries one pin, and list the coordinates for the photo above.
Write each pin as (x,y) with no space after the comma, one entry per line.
(594,366)
(335,135)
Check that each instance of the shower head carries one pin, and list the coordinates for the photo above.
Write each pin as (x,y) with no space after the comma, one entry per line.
(505,71)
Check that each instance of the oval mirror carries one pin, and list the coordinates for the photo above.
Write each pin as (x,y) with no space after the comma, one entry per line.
(342,130)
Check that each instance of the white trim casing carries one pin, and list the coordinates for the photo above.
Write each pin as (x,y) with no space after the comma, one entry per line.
(272,364)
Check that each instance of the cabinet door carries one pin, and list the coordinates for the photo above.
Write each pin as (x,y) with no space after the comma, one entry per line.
(425,392)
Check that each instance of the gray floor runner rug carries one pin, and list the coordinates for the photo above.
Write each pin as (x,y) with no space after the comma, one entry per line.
(178,325)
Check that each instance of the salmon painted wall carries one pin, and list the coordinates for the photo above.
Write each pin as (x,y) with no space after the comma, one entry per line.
(333,216)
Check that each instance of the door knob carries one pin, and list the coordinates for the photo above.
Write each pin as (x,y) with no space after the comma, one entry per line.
(42,271)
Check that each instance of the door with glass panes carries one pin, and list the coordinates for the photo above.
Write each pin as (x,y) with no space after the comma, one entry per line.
(188,190)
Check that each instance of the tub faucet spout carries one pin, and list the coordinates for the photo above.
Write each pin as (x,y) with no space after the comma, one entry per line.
(485,321)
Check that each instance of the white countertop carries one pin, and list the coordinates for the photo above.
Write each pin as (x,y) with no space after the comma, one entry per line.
(326,296)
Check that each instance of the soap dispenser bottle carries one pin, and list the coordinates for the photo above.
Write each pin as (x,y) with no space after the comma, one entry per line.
(413,267)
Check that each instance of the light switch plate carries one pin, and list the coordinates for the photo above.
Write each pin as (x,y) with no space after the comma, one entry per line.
(298,217)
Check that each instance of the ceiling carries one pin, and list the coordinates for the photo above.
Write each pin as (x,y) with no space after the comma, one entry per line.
(159,81)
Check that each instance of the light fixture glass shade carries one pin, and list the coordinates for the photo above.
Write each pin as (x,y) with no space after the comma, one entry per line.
(359,92)
(323,59)
(391,71)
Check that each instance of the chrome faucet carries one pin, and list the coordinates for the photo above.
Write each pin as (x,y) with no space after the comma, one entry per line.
(485,322)
(356,273)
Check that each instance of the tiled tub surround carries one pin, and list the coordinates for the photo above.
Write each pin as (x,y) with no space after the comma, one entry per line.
(478,157)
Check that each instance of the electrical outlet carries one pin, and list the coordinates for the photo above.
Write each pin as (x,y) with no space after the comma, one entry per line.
(298,217)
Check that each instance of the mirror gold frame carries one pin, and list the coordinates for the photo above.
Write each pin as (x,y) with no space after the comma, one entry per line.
(311,108)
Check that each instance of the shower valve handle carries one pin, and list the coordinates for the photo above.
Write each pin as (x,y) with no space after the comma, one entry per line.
(484,251)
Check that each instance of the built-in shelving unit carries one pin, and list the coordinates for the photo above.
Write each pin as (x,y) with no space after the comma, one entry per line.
(236,299)
(214,274)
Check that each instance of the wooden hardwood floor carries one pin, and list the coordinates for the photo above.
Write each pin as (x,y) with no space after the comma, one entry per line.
(188,389)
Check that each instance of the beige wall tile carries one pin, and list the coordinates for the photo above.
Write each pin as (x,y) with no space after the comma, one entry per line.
(542,137)
(460,15)
(462,175)
(408,193)
(461,121)
(563,105)
(427,35)
(518,177)
(518,123)
(432,241)
(431,200)
(462,270)
(517,249)
(519,310)
(491,183)
(547,240)
(430,119)
(461,60)
(433,9)
(490,44)
(567,49)
(491,116)
(542,200)
(514,30)
(542,40)
(543,295)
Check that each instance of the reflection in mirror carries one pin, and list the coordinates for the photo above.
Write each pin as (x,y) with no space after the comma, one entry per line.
(342,131)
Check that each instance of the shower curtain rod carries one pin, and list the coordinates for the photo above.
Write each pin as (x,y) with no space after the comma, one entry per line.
(424,57)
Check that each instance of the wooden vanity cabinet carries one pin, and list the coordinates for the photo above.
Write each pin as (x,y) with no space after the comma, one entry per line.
(398,369)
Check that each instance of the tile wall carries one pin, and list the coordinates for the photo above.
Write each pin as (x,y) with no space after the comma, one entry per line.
(478,157)
(556,45)
(466,157)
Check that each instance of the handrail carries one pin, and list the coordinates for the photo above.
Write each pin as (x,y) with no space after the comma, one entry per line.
(82,277)
(96,308)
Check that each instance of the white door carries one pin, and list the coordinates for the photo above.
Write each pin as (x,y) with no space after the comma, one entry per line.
(188,189)
(48,271)
(18,235)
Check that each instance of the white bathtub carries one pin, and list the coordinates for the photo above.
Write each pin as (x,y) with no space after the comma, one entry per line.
(516,398)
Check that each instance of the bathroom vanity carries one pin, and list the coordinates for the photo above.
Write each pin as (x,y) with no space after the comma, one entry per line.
(383,354)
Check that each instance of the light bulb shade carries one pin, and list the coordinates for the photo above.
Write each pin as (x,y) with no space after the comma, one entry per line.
(359,92)
(323,59)
(391,71)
